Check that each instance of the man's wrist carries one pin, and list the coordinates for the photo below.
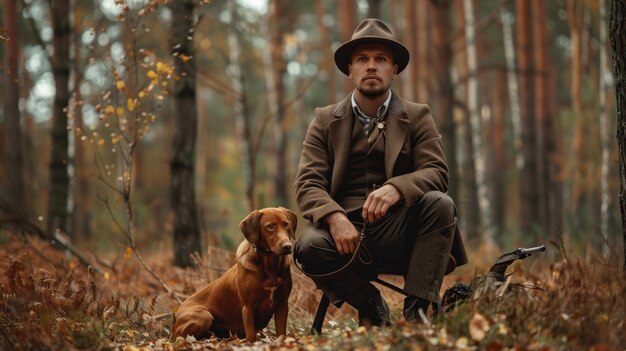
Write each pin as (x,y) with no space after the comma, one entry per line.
(332,217)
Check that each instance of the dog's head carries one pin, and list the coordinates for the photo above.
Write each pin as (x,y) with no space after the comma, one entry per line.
(271,229)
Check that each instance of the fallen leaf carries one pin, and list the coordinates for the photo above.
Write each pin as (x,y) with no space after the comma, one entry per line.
(478,327)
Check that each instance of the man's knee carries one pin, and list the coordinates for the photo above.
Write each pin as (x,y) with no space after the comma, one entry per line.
(441,204)
(311,245)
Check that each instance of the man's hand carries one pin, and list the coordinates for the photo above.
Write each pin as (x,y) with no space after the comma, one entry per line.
(343,232)
(379,201)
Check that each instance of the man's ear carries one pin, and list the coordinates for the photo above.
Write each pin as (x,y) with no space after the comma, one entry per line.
(250,226)
(350,70)
(293,221)
(395,71)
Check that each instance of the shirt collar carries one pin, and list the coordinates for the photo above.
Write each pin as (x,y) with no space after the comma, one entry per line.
(382,110)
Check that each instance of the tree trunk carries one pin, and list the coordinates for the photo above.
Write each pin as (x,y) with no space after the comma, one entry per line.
(13,148)
(422,59)
(617,25)
(488,230)
(182,194)
(242,124)
(411,73)
(82,208)
(604,127)
(347,25)
(528,187)
(328,67)
(443,108)
(275,69)
(547,180)
(574,19)
(499,168)
(373,9)
(512,84)
(467,195)
(58,177)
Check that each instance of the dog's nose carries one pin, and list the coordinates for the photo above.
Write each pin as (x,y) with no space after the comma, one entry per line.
(286,248)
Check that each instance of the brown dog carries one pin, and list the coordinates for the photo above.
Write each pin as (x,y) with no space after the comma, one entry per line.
(245,298)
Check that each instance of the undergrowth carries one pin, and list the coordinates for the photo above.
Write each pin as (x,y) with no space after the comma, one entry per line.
(51,303)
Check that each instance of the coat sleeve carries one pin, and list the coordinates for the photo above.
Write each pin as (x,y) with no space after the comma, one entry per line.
(430,169)
(312,185)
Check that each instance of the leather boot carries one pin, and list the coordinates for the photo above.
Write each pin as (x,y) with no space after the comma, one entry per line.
(374,312)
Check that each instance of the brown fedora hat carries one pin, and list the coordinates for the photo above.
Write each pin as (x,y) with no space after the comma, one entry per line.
(371,31)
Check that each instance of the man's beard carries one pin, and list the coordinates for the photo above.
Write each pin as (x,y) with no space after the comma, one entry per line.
(372,91)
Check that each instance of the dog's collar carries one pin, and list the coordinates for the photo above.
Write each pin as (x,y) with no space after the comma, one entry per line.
(264,252)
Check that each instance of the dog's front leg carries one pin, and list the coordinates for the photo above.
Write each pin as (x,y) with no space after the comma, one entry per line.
(248,323)
(280,317)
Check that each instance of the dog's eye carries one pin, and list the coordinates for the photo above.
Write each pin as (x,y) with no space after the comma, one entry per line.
(270,226)
(286,224)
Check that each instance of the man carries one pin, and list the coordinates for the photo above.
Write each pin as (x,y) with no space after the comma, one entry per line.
(374,163)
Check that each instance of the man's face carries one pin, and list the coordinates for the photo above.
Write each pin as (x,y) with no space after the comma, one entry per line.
(372,69)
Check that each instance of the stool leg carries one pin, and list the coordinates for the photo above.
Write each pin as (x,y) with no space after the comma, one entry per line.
(320,315)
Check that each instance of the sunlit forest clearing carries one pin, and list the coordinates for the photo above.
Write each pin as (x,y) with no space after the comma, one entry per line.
(137,134)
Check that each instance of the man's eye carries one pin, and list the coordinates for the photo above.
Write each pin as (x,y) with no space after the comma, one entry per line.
(380,59)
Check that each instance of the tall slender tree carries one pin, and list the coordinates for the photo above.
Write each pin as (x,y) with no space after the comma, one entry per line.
(240,109)
(326,44)
(347,23)
(276,67)
(13,158)
(529,215)
(182,194)
(604,125)
(444,88)
(486,212)
(545,112)
(373,9)
(617,28)
(58,178)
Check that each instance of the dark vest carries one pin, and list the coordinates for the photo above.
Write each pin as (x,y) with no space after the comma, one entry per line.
(366,168)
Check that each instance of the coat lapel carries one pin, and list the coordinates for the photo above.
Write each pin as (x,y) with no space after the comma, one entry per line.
(340,132)
(397,125)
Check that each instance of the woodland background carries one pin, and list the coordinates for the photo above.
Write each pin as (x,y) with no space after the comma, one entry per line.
(150,128)
(95,111)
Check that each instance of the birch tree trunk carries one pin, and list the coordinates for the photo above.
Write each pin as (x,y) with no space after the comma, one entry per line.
(242,124)
(12,133)
(604,128)
(182,191)
(617,25)
(512,84)
(488,232)
(58,177)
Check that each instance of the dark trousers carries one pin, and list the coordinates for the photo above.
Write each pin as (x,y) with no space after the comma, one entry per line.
(412,241)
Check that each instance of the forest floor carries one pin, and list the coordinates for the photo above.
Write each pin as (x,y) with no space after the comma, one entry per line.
(49,301)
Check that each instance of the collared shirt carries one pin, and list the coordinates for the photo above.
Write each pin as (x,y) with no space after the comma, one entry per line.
(368,121)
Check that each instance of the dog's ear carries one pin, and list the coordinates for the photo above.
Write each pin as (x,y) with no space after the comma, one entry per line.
(250,226)
(293,221)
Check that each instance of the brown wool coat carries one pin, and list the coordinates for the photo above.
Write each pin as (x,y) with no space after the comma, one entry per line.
(414,158)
